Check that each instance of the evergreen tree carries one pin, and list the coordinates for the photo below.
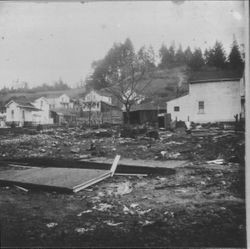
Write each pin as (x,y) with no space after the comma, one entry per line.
(171,55)
(188,55)
(180,56)
(217,56)
(197,61)
(163,54)
(234,58)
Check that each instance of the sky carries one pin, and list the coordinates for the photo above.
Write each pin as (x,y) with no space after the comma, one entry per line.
(41,42)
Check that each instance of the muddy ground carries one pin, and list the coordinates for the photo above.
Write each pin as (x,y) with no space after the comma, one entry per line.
(201,205)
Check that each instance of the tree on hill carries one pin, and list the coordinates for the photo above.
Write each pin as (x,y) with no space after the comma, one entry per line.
(167,56)
(148,55)
(234,58)
(216,56)
(188,55)
(196,62)
(180,56)
(163,54)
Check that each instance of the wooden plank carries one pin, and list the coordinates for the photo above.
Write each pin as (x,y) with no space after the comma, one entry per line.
(128,174)
(98,179)
(114,165)
(92,180)
(85,185)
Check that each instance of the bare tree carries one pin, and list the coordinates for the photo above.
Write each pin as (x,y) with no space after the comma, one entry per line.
(131,75)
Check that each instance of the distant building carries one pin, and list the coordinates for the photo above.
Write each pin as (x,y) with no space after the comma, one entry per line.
(211,100)
(21,112)
(24,112)
(59,101)
(98,96)
(97,108)
(43,116)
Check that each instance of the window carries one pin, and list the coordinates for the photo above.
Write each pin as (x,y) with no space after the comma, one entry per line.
(12,114)
(201,107)
(176,108)
(41,103)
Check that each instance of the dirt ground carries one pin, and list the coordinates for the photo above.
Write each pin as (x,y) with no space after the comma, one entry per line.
(201,205)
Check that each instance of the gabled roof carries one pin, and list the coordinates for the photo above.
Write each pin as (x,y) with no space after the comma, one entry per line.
(44,98)
(23,103)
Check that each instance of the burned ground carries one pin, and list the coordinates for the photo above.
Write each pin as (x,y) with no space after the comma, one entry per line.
(202,204)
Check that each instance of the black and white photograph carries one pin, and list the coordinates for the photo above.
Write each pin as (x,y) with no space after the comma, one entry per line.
(123,124)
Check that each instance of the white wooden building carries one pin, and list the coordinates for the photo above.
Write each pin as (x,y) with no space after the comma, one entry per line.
(22,111)
(43,116)
(208,101)
(59,101)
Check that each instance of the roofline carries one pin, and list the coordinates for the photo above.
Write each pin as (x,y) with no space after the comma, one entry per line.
(9,102)
(42,97)
(22,106)
(214,80)
(186,95)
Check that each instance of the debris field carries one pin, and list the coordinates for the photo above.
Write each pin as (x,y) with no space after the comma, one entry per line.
(200,204)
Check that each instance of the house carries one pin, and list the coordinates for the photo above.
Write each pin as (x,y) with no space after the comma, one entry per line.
(145,113)
(59,101)
(97,108)
(208,100)
(21,112)
(43,116)
(97,96)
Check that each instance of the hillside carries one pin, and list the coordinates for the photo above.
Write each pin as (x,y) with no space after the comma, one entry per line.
(72,93)
(167,84)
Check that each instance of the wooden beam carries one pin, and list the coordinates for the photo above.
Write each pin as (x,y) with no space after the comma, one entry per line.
(100,178)
(114,165)
(91,182)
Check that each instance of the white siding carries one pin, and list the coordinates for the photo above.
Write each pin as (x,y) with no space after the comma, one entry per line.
(184,112)
(62,101)
(94,96)
(221,102)
(16,114)
(43,116)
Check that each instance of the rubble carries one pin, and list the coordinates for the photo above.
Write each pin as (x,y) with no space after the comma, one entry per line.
(82,230)
(156,209)
(52,225)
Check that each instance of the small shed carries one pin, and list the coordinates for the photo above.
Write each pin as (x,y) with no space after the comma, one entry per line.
(145,113)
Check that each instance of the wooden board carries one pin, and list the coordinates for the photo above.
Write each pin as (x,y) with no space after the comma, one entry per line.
(52,178)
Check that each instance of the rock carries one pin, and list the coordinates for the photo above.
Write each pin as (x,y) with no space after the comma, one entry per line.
(84,156)
(51,225)
(75,150)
